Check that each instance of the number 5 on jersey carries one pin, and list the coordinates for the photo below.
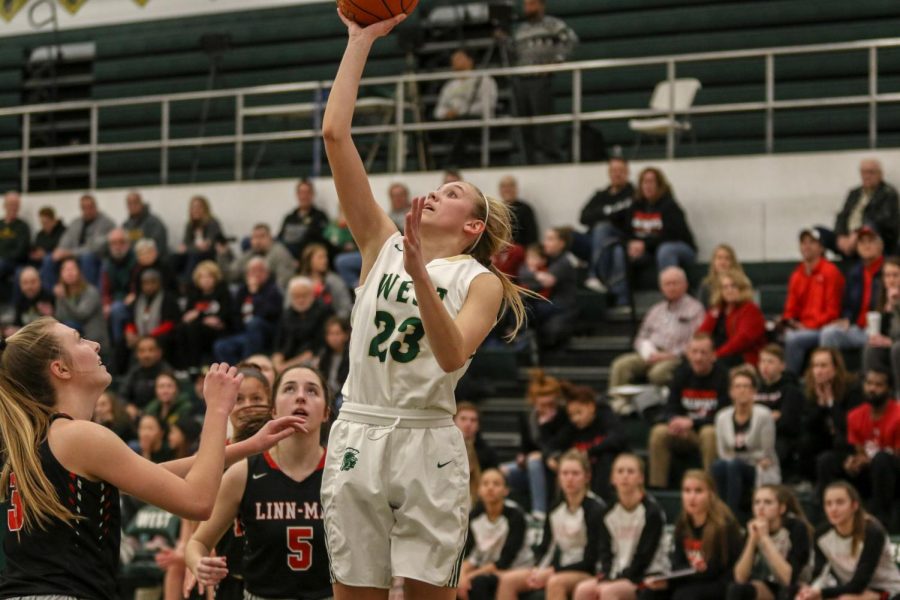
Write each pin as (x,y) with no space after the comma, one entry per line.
(412,331)
(300,556)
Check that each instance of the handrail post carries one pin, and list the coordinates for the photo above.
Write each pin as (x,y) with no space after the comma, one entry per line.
(670,134)
(94,139)
(400,142)
(239,137)
(576,116)
(486,109)
(164,144)
(770,99)
(873,97)
(26,146)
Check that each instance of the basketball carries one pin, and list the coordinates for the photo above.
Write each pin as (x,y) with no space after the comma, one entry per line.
(366,12)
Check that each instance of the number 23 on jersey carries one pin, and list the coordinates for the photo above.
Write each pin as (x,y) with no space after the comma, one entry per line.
(403,350)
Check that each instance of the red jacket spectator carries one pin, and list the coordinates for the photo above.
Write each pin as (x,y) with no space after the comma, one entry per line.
(740,330)
(814,299)
(875,436)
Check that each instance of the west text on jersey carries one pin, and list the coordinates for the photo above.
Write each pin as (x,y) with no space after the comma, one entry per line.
(404,291)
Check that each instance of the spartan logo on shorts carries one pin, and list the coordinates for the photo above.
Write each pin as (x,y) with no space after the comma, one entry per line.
(349,460)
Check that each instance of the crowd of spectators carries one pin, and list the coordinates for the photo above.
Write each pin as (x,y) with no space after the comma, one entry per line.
(753,400)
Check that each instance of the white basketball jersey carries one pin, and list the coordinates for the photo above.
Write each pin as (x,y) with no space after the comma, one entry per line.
(391,361)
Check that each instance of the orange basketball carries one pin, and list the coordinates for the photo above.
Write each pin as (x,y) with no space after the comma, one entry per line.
(366,12)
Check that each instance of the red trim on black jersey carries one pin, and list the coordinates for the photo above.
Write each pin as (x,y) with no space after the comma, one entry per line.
(271,462)
(322,462)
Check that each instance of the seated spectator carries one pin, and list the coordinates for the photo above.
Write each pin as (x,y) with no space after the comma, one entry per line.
(208,315)
(347,259)
(745,439)
(183,437)
(724,259)
(735,322)
(593,429)
(115,282)
(152,439)
(300,334)
(873,204)
(138,387)
(632,537)
(607,215)
(306,223)
(141,224)
(279,260)
(777,549)
(110,413)
(659,235)
(465,98)
(528,473)
(154,313)
(497,540)
(167,404)
(15,240)
(868,457)
(47,237)
(854,557)
(78,304)
(780,392)
(830,394)
(33,302)
(861,294)
(883,347)
(707,539)
(468,419)
(569,546)
(698,390)
(201,234)
(348,263)
(813,301)
(85,240)
(525,231)
(554,321)
(663,336)
(257,310)
(328,287)
(334,359)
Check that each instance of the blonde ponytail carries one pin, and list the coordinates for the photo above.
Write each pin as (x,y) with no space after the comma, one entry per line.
(496,237)
(27,401)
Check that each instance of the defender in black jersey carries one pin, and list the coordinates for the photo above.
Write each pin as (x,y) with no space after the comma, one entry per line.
(496,540)
(567,554)
(276,499)
(853,552)
(631,537)
(63,519)
(776,552)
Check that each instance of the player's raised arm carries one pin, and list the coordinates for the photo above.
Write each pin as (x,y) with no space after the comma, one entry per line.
(368,223)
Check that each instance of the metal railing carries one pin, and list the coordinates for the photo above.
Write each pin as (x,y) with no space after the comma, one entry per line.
(401,127)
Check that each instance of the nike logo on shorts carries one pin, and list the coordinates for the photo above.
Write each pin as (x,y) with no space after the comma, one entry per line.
(259,475)
(398,247)
(442,465)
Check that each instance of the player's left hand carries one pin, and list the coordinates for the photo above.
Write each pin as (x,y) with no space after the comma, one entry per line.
(276,430)
(413,261)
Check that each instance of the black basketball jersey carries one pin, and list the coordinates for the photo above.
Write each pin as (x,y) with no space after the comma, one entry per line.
(284,536)
(80,558)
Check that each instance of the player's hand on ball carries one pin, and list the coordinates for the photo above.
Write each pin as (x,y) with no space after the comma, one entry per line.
(276,430)
(210,571)
(220,387)
(373,31)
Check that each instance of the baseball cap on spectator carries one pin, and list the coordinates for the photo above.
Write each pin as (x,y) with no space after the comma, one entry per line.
(867,230)
(811,232)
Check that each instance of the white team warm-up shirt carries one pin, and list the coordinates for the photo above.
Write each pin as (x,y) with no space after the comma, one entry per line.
(391,361)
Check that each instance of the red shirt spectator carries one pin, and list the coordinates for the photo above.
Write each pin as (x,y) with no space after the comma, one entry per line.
(875,434)
(736,324)
(814,298)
